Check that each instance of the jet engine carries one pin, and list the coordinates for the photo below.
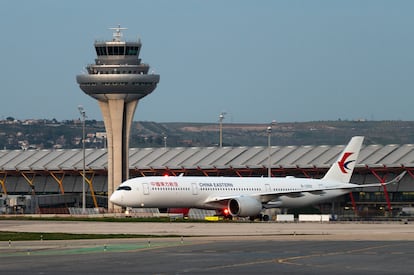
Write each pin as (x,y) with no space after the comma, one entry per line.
(244,207)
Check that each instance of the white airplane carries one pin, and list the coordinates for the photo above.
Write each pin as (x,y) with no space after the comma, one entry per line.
(243,196)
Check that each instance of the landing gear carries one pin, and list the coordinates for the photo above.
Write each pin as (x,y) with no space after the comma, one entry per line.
(225,214)
(265,218)
(260,217)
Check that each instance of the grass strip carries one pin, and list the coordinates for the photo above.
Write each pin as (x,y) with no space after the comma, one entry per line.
(36,236)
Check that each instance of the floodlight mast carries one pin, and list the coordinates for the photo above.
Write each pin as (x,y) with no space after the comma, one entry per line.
(221,118)
(269,148)
(83,118)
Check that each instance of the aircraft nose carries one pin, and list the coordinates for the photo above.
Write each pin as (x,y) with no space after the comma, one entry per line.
(116,198)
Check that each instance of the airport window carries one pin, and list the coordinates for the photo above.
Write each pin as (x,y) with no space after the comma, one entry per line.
(131,50)
(116,50)
(100,50)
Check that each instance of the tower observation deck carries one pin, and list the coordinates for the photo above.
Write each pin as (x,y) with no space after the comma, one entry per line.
(118,80)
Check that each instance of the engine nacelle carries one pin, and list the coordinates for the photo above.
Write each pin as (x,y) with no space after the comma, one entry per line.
(244,207)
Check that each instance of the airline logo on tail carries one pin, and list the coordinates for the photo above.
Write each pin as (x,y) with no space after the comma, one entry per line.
(344,163)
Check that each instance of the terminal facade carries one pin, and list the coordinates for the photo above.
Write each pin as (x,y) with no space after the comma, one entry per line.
(50,181)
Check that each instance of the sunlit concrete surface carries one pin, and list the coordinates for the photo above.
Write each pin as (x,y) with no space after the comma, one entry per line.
(295,231)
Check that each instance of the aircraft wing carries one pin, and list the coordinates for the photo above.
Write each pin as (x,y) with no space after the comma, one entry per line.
(395,180)
(266,197)
(263,197)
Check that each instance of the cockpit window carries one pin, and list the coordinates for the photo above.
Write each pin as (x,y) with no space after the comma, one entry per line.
(126,188)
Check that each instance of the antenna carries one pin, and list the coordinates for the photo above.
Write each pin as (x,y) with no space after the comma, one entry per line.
(117,34)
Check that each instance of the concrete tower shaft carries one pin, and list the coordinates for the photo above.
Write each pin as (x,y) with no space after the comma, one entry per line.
(118,80)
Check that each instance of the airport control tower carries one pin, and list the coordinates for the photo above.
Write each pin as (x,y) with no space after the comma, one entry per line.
(118,80)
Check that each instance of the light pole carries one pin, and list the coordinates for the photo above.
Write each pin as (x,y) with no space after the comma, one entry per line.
(83,117)
(221,117)
(269,148)
(269,133)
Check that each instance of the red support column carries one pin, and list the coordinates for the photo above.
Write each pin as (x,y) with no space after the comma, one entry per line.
(305,173)
(202,171)
(382,181)
(353,203)
(238,173)
(410,172)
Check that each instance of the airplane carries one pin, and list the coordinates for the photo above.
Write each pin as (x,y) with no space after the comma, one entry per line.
(243,196)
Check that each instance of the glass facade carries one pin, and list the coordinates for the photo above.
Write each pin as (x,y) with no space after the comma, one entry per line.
(116,50)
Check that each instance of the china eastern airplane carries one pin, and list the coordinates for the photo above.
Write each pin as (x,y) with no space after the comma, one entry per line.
(243,196)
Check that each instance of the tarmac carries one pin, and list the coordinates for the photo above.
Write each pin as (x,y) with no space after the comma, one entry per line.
(308,231)
(212,248)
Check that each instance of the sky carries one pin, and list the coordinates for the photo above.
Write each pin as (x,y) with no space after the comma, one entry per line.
(257,61)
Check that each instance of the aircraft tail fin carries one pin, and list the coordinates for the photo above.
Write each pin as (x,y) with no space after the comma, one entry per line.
(341,170)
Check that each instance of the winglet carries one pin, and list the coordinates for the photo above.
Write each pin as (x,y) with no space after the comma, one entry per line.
(397,179)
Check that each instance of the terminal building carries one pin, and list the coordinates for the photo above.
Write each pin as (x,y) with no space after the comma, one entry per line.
(50,181)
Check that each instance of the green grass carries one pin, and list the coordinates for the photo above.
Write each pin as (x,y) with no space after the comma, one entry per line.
(101,219)
(33,236)
(91,219)
(36,236)
(104,219)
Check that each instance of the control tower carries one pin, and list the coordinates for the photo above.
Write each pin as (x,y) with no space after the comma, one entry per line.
(118,80)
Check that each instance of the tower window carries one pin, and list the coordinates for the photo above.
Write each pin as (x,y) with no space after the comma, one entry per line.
(131,50)
(116,50)
(100,50)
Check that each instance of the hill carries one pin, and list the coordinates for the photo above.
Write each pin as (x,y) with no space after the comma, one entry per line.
(298,133)
(46,134)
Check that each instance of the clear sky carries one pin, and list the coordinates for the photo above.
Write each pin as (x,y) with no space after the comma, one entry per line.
(256,60)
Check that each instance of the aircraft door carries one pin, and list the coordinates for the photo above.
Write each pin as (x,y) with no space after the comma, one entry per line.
(145,188)
(267,187)
(194,188)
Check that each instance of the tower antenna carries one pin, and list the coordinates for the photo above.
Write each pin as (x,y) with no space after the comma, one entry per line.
(117,34)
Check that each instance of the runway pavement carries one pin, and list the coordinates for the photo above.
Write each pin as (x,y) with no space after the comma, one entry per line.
(213,248)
